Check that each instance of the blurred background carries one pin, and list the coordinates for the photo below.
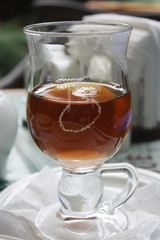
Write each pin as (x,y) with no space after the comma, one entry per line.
(15,14)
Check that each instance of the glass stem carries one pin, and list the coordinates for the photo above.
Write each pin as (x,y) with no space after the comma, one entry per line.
(80,193)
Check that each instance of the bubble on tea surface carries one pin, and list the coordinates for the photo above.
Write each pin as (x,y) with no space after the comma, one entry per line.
(86,93)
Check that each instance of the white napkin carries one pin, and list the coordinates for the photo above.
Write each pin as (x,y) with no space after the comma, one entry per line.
(143,66)
(18,208)
(20,205)
(16,225)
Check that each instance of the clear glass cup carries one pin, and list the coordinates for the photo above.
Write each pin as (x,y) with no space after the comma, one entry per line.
(79,113)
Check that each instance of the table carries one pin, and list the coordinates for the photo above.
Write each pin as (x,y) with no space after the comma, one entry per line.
(142,9)
(25,158)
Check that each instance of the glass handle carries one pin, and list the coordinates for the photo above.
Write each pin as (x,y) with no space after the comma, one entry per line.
(127,191)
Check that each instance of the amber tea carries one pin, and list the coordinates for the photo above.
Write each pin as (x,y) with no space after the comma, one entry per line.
(79,121)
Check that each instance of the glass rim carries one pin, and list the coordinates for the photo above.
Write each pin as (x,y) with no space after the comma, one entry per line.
(30,29)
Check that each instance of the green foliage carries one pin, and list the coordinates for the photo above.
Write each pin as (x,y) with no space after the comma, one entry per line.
(12,46)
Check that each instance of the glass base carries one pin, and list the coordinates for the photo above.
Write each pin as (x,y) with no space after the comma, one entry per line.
(54,225)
